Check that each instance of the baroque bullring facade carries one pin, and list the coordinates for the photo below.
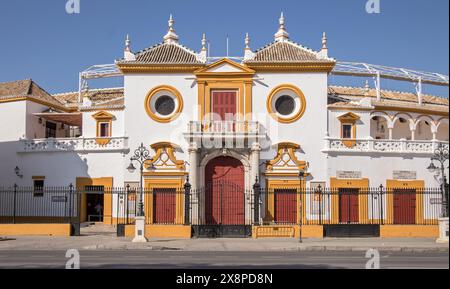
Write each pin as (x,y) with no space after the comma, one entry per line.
(223,125)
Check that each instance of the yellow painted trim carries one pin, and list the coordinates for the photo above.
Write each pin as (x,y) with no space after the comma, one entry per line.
(60,230)
(298,92)
(165,174)
(248,100)
(168,148)
(155,68)
(363,200)
(280,231)
(418,185)
(272,185)
(245,70)
(38,177)
(107,183)
(349,119)
(291,149)
(173,91)
(409,231)
(163,183)
(103,117)
(292,67)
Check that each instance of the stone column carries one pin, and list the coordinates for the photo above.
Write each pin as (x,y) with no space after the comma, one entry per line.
(254,173)
(193,179)
(390,133)
(255,155)
(413,134)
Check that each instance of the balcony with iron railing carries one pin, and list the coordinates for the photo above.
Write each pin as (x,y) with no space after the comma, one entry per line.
(383,146)
(81,144)
(227,129)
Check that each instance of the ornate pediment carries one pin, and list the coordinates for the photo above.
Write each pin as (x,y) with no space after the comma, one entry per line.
(164,159)
(286,161)
(225,67)
(102,115)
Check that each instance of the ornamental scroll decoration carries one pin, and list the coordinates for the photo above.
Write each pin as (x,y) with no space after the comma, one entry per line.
(164,158)
(286,160)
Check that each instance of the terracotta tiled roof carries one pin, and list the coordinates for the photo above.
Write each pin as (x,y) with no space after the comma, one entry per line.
(108,97)
(26,88)
(391,99)
(361,92)
(165,53)
(286,51)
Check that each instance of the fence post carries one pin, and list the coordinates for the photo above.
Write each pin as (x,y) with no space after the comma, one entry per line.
(126,203)
(256,198)
(381,205)
(187,195)
(70,202)
(14,203)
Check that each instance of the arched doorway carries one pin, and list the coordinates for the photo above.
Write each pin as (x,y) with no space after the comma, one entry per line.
(224,199)
(224,192)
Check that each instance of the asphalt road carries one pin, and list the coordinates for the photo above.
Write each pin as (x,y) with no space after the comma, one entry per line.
(109,259)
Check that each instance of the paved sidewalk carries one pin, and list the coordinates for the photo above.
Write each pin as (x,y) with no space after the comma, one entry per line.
(109,242)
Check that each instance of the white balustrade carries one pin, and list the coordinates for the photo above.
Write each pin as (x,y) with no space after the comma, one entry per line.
(383,146)
(73,145)
(224,127)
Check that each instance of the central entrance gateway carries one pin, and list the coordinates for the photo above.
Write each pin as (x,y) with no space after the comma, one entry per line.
(224,200)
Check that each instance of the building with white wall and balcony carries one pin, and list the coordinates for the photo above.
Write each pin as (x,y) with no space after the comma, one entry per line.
(258,145)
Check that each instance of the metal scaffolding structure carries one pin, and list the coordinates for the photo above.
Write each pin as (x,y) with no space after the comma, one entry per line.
(341,68)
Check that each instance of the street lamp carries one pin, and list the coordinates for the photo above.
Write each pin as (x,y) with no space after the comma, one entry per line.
(441,156)
(141,155)
(302,175)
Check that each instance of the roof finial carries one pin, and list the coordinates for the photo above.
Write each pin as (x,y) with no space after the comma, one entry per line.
(281,34)
(128,43)
(366,88)
(247,41)
(324,41)
(248,53)
(171,36)
(204,42)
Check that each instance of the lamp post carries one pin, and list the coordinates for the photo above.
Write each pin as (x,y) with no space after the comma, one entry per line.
(441,155)
(141,155)
(302,175)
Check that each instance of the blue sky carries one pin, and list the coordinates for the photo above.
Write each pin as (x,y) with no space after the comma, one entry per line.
(39,40)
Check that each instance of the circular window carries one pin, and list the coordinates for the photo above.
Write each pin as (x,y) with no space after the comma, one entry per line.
(286,103)
(163,103)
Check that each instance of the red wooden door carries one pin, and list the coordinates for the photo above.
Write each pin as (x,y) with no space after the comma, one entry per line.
(224,193)
(224,105)
(164,204)
(285,206)
(405,206)
(348,205)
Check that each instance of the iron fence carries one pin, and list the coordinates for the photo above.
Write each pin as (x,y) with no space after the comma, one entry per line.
(221,204)
(325,206)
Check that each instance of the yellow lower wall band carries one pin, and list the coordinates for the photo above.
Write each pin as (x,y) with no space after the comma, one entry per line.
(34,229)
(409,231)
(292,231)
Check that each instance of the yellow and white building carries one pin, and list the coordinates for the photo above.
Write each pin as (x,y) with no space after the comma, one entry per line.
(268,115)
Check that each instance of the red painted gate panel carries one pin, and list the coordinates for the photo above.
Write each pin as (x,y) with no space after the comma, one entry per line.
(285,206)
(348,205)
(164,206)
(224,192)
(224,104)
(405,206)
